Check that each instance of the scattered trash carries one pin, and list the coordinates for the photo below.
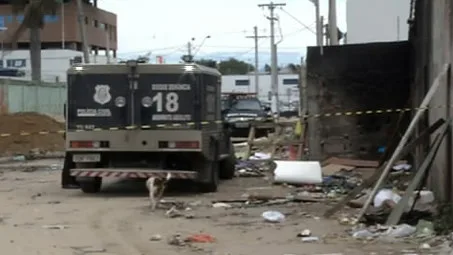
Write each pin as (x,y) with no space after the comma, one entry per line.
(251,168)
(364,234)
(305,233)
(403,230)
(260,156)
(425,246)
(173,213)
(156,237)
(176,240)
(402,167)
(19,158)
(298,172)
(273,216)
(424,228)
(200,238)
(385,195)
(55,227)
(310,239)
(221,205)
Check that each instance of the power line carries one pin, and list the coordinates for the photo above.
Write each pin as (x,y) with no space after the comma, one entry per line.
(298,21)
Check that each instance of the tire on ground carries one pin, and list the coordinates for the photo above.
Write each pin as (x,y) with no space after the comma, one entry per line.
(228,165)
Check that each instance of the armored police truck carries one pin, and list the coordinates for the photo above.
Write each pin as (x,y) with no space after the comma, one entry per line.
(135,120)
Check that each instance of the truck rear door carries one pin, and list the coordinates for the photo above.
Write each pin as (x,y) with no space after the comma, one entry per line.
(166,99)
(116,100)
(94,101)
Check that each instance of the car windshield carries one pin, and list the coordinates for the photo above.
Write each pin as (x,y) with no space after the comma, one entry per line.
(247,104)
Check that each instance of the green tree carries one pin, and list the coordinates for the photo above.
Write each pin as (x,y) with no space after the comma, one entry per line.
(267,68)
(207,62)
(235,66)
(34,12)
(293,68)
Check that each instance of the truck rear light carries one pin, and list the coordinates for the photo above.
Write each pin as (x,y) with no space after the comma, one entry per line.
(89,144)
(179,145)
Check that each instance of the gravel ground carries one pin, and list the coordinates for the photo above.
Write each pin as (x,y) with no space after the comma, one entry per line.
(37,217)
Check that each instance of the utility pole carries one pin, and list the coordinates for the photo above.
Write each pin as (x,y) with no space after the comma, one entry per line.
(274,68)
(333,29)
(189,49)
(81,19)
(318,22)
(256,37)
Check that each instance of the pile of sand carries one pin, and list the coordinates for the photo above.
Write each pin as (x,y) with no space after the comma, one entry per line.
(15,124)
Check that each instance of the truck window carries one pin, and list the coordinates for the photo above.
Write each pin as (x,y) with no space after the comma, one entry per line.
(247,104)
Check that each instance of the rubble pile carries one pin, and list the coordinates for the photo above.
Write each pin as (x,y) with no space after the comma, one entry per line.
(16,124)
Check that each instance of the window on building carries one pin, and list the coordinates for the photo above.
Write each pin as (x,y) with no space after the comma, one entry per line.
(86,20)
(290,81)
(102,25)
(16,63)
(242,82)
(1,63)
(50,19)
(95,23)
(20,18)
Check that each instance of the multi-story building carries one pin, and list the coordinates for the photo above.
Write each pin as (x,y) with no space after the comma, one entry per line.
(61,39)
(377,20)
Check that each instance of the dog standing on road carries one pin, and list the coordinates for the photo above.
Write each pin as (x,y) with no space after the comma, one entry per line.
(156,187)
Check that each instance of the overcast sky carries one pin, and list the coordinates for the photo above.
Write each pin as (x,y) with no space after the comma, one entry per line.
(164,28)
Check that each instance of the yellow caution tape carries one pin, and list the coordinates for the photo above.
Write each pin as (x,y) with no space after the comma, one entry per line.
(299,126)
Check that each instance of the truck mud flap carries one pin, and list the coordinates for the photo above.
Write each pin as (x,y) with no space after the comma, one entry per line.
(132,173)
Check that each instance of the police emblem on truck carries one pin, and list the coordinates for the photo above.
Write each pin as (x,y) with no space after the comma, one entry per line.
(102,94)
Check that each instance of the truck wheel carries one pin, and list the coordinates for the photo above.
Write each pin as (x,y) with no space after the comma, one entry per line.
(91,186)
(228,165)
(213,183)
(211,166)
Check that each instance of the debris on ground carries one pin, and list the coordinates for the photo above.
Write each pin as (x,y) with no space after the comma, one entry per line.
(298,172)
(200,238)
(59,227)
(273,216)
(155,237)
(29,123)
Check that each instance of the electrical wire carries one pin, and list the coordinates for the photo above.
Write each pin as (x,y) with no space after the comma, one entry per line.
(297,20)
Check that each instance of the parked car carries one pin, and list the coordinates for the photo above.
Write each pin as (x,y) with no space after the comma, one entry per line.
(239,110)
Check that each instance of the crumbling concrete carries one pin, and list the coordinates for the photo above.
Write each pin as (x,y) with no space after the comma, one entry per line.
(357,77)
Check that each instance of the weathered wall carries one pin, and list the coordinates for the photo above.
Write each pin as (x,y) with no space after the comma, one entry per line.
(24,96)
(431,37)
(356,77)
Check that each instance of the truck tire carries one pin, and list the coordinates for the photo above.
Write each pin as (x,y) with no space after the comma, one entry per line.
(91,186)
(228,165)
(211,166)
(213,183)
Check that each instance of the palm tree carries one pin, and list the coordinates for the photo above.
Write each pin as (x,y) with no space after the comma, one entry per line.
(34,12)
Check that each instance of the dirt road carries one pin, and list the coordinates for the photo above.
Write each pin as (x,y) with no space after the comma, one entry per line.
(37,217)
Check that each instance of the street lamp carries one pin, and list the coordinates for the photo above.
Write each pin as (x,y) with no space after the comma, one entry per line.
(201,44)
(189,57)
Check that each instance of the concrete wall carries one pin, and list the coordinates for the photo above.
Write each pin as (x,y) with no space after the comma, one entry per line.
(23,96)
(357,77)
(377,20)
(55,62)
(431,36)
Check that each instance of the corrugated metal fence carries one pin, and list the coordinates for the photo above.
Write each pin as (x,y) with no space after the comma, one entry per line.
(25,96)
